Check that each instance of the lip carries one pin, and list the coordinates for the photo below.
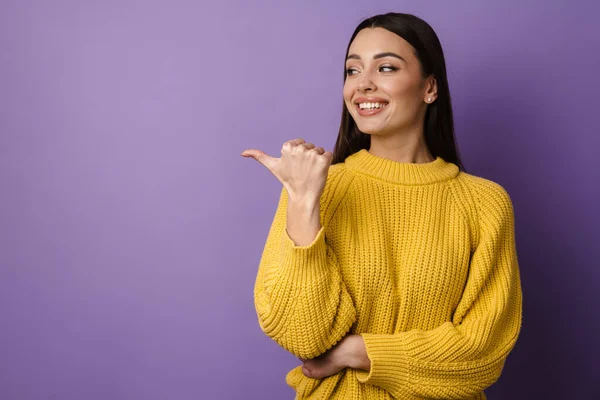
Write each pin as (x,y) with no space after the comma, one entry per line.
(367,113)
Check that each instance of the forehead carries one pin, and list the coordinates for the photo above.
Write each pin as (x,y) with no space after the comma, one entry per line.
(379,40)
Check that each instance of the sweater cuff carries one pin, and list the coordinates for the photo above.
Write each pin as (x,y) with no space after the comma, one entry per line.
(389,369)
(303,264)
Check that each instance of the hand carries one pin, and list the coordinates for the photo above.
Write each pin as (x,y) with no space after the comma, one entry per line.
(302,168)
(329,363)
(349,352)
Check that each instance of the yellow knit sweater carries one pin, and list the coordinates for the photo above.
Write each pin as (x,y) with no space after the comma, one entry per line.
(418,259)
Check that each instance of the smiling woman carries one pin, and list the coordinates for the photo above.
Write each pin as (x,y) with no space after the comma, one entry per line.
(389,271)
(395,75)
(395,63)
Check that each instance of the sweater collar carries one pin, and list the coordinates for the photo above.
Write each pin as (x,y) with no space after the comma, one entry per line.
(400,172)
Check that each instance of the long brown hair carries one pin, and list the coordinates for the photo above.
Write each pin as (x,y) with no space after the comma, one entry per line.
(439,123)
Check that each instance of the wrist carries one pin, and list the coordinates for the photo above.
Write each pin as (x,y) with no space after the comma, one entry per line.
(305,205)
(304,209)
(357,356)
(303,198)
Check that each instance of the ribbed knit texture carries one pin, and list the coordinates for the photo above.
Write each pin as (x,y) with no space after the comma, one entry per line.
(419,259)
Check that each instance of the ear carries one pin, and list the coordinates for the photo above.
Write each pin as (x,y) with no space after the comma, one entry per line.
(432,88)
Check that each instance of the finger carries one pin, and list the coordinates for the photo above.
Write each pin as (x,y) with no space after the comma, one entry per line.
(261,157)
(290,145)
(307,145)
(319,150)
(328,155)
(296,142)
(306,372)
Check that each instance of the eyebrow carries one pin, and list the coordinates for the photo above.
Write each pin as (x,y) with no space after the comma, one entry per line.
(377,56)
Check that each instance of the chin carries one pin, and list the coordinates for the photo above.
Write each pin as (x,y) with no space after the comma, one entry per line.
(369,130)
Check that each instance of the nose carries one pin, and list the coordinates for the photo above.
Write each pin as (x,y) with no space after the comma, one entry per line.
(365,83)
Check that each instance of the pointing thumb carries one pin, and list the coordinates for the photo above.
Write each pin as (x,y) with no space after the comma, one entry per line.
(261,157)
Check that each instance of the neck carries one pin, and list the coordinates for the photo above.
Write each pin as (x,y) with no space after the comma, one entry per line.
(409,148)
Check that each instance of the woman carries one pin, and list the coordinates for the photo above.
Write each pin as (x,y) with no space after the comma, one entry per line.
(388,270)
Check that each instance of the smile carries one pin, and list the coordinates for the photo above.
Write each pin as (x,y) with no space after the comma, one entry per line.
(368,109)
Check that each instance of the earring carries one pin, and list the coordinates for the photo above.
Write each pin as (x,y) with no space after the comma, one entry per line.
(429,99)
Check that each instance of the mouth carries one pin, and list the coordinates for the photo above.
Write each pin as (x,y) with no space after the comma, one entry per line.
(368,108)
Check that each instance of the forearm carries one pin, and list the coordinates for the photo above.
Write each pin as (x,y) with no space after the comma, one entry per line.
(303,220)
(293,279)
(357,357)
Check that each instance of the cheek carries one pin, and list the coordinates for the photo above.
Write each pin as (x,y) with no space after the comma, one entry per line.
(348,93)
(349,88)
(405,97)
(395,89)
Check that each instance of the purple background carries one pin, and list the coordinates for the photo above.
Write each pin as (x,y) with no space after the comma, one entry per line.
(131,228)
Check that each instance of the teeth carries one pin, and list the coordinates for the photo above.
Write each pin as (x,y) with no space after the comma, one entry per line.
(371,106)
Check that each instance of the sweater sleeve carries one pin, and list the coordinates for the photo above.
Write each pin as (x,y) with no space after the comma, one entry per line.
(460,358)
(300,298)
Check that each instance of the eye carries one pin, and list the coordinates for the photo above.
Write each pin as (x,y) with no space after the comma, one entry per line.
(388,67)
(350,71)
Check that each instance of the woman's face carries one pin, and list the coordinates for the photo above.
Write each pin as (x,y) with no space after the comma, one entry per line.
(384,90)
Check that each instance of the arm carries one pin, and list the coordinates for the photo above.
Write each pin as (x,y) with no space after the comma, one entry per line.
(303,221)
(461,357)
(300,298)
